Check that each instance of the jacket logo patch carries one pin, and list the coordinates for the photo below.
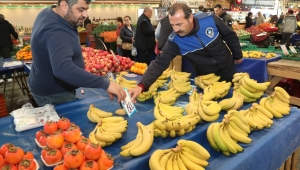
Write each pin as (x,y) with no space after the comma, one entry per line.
(209,32)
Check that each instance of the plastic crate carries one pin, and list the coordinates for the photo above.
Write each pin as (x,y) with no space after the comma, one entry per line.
(244,44)
(283,56)
(245,37)
(3,109)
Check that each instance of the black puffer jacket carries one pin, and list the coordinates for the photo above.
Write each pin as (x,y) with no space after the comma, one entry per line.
(6,29)
(126,34)
(144,38)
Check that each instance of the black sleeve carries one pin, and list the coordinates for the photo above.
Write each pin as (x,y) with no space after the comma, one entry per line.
(13,32)
(230,37)
(145,29)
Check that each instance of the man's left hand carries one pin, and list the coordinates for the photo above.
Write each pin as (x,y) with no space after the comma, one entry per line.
(238,61)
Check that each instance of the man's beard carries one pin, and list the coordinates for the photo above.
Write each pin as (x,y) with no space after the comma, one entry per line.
(69,17)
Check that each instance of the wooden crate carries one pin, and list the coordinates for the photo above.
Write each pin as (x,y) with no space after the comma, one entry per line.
(3,109)
(291,162)
(176,63)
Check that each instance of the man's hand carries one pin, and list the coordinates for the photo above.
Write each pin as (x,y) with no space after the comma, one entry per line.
(134,92)
(116,89)
(238,61)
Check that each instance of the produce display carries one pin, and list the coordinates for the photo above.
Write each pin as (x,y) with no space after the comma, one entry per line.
(205,80)
(242,32)
(24,53)
(13,157)
(109,36)
(258,54)
(187,155)
(254,30)
(216,90)
(293,56)
(268,27)
(139,68)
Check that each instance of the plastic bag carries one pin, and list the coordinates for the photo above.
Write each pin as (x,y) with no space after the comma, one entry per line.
(133,51)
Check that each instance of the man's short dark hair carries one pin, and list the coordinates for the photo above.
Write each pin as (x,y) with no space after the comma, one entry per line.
(180,6)
(119,19)
(72,2)
(201,8)
(1,17)
(218,6)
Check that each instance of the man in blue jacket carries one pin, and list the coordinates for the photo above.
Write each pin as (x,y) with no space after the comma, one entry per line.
(58,66)
(201,41)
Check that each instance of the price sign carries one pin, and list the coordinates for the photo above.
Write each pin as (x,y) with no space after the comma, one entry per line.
(127,104)
(284,50)
(292,48)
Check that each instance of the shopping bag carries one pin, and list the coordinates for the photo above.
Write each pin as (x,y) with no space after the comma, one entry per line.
(126,46)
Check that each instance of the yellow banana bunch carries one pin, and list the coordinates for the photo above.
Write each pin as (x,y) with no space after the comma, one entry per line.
(166,74)
(108,130)
(95,115)
(162,110)
(233,103)
(167,97)
(148,94)
(257,120)
(181,85)
(176,75)
(205,80)
(187,155)
(141,144)
(128,84)
(216,90)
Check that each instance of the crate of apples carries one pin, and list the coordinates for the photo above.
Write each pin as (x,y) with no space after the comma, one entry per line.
(139,68)
(13,157)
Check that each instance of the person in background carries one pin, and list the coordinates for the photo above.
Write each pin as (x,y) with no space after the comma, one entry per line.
(58,66)
(201,41)
(127,35)
(87,21)
(226,18)
(274,19)
(260,19)
(249,21)
(6,44)
(144,37)
(164,31)
(279,22)
(120,24)
(201,10)
(289,26)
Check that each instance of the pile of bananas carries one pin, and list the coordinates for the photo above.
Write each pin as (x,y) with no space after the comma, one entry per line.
(148,94)
(186,155)
(161,82)
(108,130)
(257,54)
(205,80)
(233,103)
(95,115)
(216,90)
(128,84)
(222,136)
(167,97)
(207,110)
(249,88)
(166,74)
(258,117)
(162,110)
(278,103)
(176,125)
(141,144)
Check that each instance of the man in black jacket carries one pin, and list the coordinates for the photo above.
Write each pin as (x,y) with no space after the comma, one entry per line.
(226,18)
(144,37)
(6,30)
(201,41)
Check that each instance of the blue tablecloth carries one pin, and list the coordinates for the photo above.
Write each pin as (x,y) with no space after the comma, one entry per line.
(269,149)
(257,68)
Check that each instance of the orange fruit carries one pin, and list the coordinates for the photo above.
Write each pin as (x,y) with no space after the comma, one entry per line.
(143,71)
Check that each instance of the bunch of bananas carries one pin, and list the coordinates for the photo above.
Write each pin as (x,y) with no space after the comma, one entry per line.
(233,103)
(167,97)
(249,88)
(278,103)
(141,144)
(216,90)
(222,136)
(179,75)
(162,110)
(207,110)
(205,80)
(166,74)
(96,115)
(187,155)
(182,85)
(128,84)
(108,130)
(176,125)
(161,82)
(148,94)
(258,117)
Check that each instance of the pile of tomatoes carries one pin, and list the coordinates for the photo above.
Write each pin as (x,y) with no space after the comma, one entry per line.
(13,158)
(62,142)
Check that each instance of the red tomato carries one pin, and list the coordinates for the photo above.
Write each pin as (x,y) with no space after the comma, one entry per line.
(28,155)
(81,144)
(9,167)
(67,147)
(43,140)
(92,151)
(89,165)
(72,135)
(45,150)
(5,147)
(73,159)
(14,155)
(53,156)
(39,134)
(2,161)
(55,141)
(63,123)
(50,127)
(105,161)
(61,167)
(27,164)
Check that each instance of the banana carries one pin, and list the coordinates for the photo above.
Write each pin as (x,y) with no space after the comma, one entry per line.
(128,145)
(194,96)
(245,92)
(254,84)
(93,138)
(227,103)
(207,76)
(217,138)
(164,159)
(175,162)
(103,137)
(195,147)
(282,91)
(189,164)
(247,87)
(182,89)
(235,113)
(240,124)
(264,118)
(169,164)
(283,101)
(240,74)
(237,128)
(212,109)
(226,142)
(237,135)
(263,110)
(120,129)
(194,159)
(122,123)
(158,123)
(284,110)
(231,142)
(114,119)
(95,117)
(204,116)
(90,117)
(258,120)
(268,106)
(114,134)
(262,102)
(209,96)
(120,112)
(239,101)
(99,113)
(210,138)
(137,142)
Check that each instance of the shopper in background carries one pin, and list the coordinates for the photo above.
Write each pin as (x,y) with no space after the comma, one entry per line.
(226,18)
(127,35)
(201,41)
(144,37)
(260,19)
(289,26)
(274,19)
(6,44)
(201,10)
(164,31)
(249,21)
(119,40)
(58,66)
(87,21)
(279,22)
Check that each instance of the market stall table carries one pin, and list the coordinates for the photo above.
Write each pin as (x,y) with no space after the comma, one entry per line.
(269,149)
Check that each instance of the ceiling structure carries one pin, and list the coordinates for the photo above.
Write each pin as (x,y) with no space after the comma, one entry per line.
(19,2)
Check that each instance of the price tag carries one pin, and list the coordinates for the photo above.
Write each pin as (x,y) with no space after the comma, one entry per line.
(292,48)
(284,50)
(127,104)
(110,75)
